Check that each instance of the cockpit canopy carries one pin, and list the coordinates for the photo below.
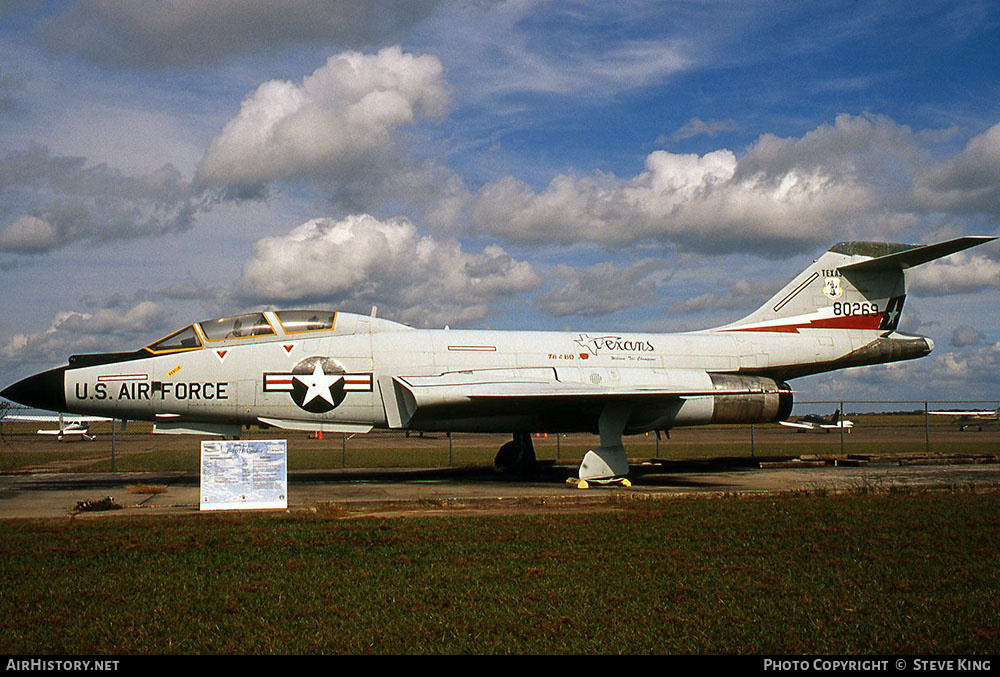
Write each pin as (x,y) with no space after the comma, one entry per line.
(244,326)
(240,326)
(298,321)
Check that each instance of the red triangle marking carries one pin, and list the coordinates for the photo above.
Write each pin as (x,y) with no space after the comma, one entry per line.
(288,347)
(222,354)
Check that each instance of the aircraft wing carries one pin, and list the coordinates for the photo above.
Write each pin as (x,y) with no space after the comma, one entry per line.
(43,418)
(574,391)
(480,386)
(808,425)
(991,412)
(803,426)
(544,387)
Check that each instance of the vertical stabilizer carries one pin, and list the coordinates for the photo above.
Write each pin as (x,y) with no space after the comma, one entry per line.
(854,285)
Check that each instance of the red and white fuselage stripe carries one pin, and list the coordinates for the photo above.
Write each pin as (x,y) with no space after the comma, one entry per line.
(792,325)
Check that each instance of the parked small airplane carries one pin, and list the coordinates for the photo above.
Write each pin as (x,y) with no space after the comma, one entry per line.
(70,427)
(340,372)
(967,419)
(815,422)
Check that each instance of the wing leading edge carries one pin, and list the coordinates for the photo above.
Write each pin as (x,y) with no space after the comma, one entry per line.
(916,255)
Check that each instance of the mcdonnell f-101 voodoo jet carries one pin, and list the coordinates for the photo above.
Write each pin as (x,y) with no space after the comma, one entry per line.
(341,372)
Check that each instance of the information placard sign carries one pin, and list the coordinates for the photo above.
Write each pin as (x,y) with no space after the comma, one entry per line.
(242,475)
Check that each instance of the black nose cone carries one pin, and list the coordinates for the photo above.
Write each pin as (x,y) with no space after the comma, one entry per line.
(46,390)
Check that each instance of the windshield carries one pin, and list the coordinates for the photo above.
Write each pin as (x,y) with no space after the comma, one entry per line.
(185,339)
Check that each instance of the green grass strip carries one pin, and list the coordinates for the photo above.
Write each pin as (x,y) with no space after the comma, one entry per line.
(908,573)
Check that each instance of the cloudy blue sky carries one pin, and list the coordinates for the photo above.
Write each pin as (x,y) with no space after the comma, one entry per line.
(539,165)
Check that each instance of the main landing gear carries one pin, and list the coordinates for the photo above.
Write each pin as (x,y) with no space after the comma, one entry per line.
(604,464)
(516,457)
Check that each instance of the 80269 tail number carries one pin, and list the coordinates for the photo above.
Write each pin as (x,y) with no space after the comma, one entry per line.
(856,308)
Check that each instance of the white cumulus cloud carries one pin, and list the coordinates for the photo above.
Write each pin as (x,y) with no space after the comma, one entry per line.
(957,274)
(358,261)
(969,182)
(50,201)
(848,180)
(338,123)
(75,332)
(28,234)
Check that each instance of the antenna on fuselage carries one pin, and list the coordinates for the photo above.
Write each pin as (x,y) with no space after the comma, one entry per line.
(374,310)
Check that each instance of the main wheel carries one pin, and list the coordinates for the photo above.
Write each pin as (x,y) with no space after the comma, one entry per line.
(516,456)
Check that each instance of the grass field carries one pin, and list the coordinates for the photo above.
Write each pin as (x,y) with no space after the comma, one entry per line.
(901,573)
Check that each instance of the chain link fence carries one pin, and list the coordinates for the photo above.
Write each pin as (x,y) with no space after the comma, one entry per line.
(903,428)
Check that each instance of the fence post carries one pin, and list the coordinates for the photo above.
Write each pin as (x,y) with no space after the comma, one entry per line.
(927,430)
(752,451)
(343,450)
(112,445)
(449,450)
(840,422)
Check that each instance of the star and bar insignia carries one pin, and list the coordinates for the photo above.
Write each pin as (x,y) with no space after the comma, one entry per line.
(317,391)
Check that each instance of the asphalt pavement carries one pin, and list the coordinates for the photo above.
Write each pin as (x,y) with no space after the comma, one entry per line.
(407,491)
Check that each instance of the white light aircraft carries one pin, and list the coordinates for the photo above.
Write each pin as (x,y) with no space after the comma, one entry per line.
(70,427)
(967,419)
(341,372)
(815,422)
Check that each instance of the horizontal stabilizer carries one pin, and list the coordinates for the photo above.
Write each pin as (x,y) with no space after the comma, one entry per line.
(914,256)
